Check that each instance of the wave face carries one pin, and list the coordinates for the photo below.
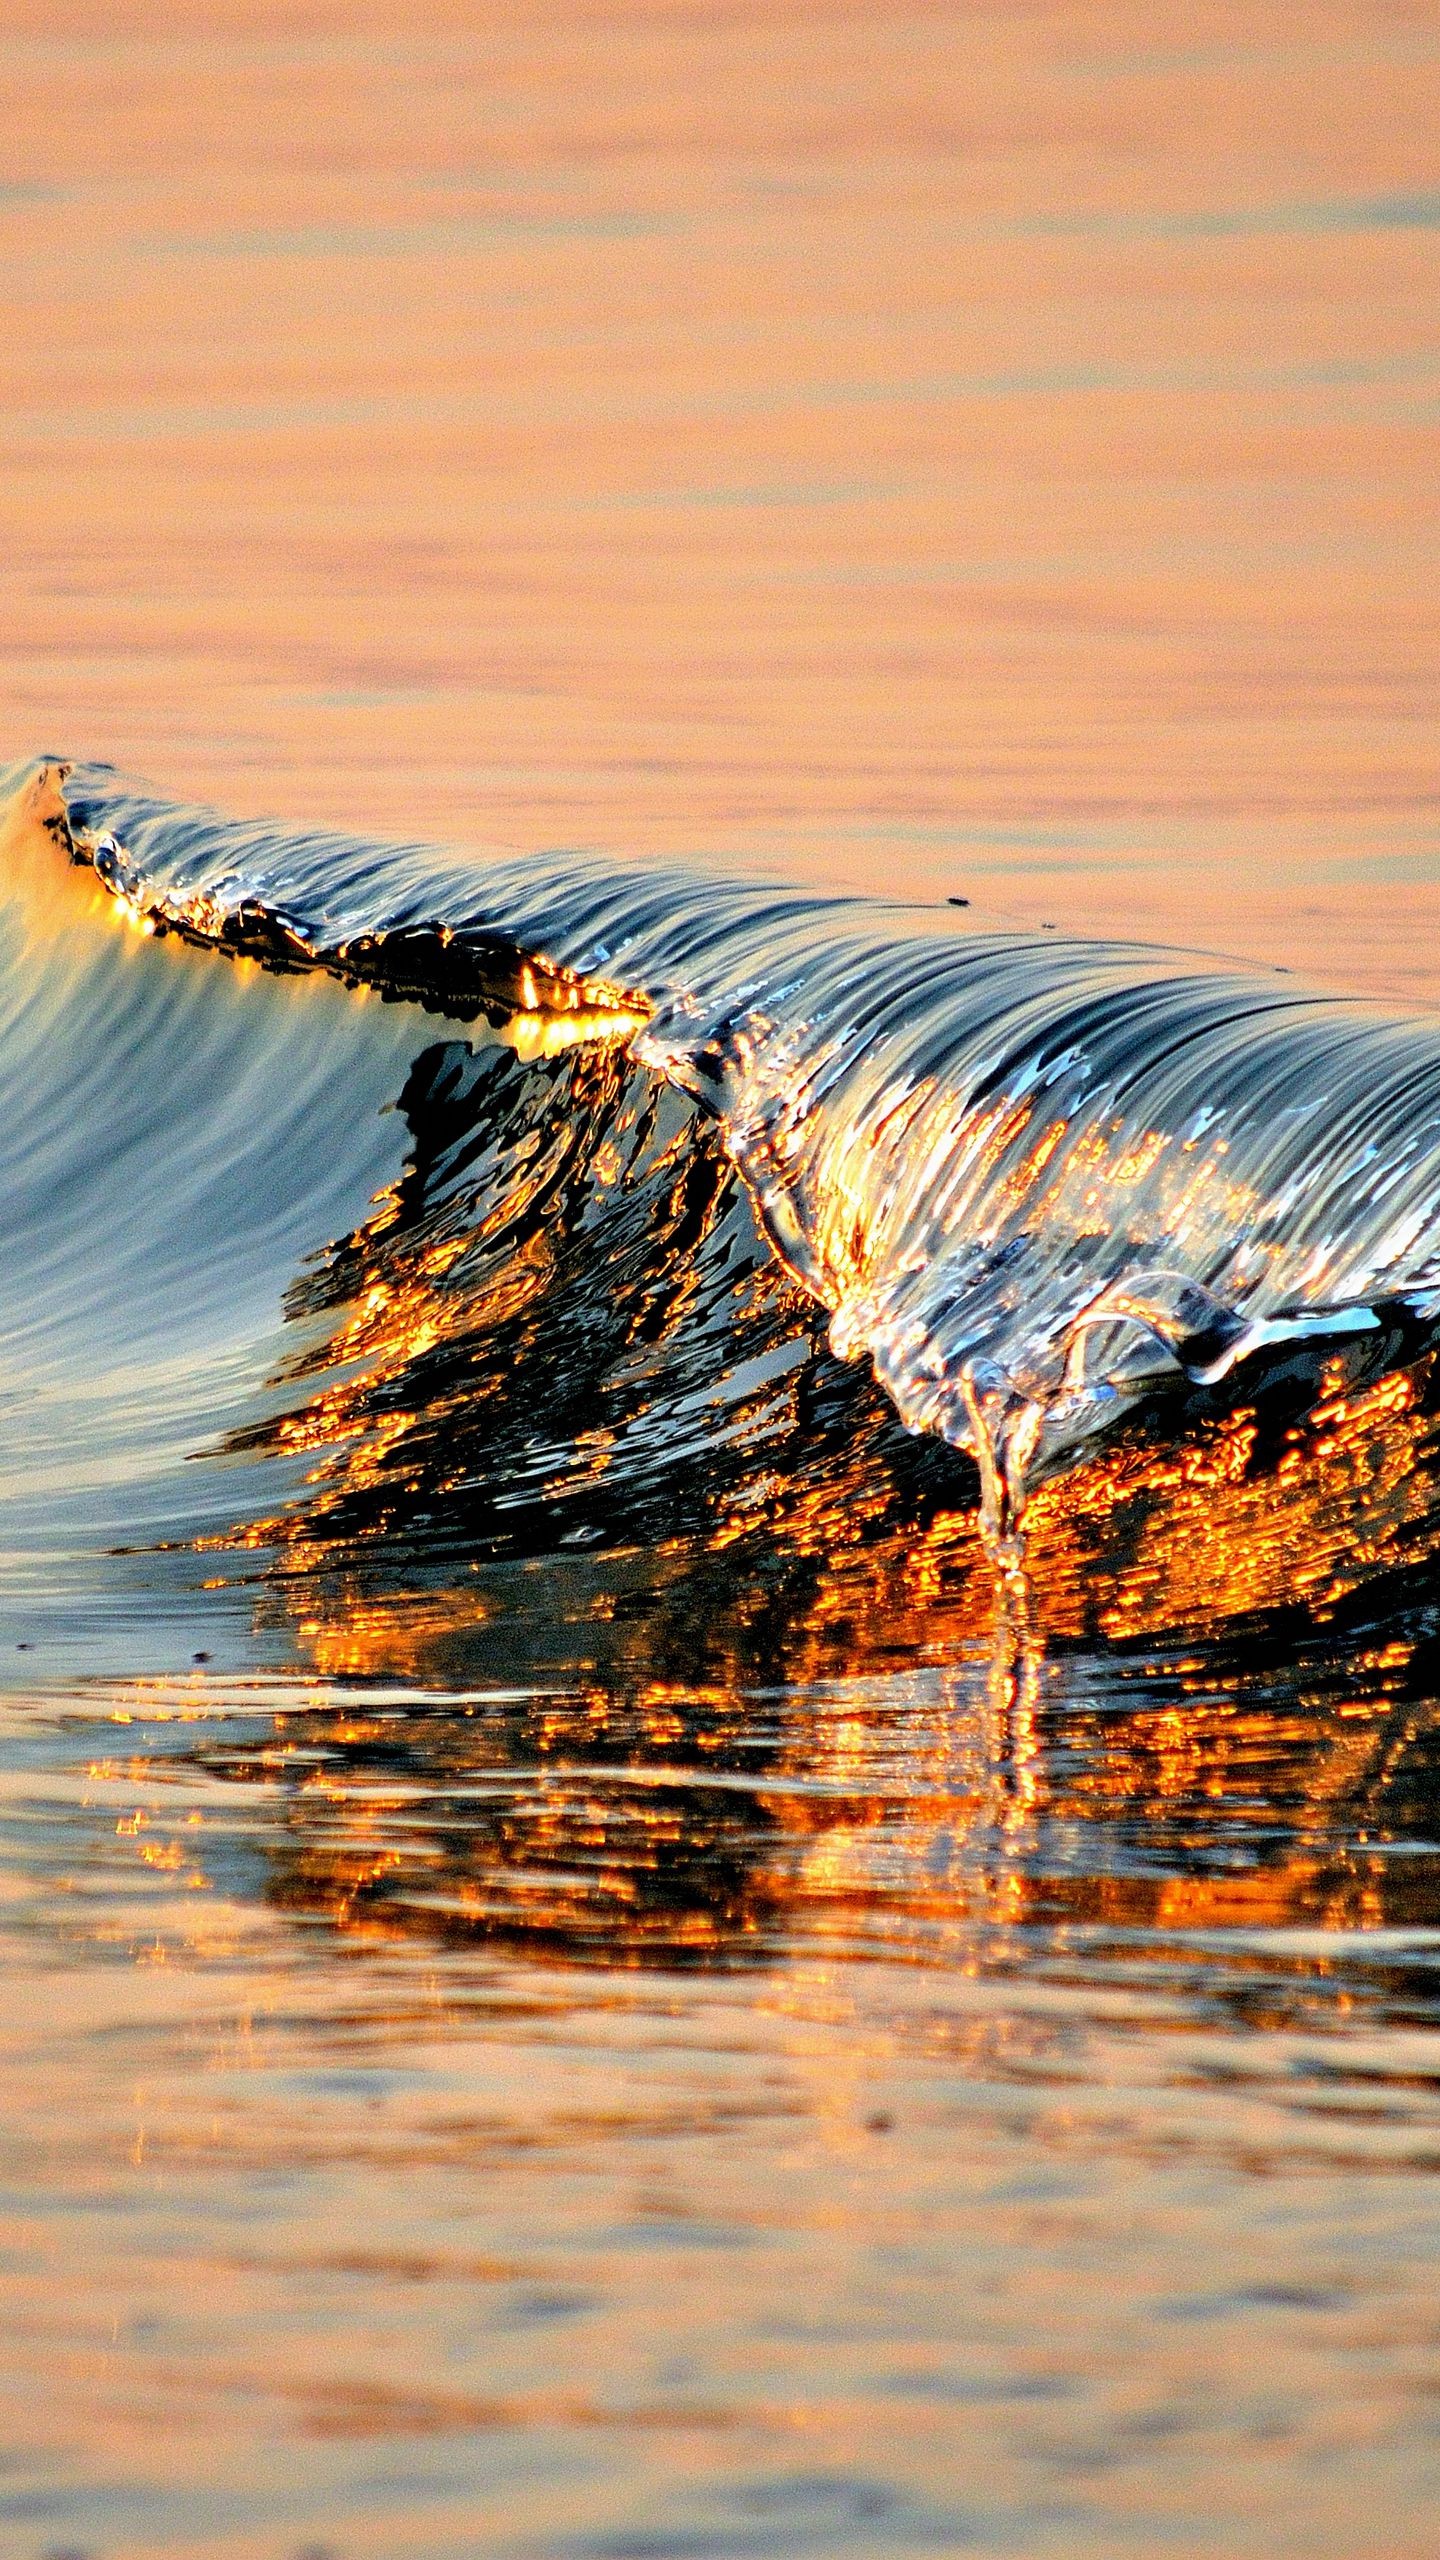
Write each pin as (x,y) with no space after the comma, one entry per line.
(644,1202)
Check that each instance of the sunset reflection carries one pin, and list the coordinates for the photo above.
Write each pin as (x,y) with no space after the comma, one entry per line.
(579,1973)
(621,1817)
(787,1734)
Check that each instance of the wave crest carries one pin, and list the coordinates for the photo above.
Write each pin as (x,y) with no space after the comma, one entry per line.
(1042,1186)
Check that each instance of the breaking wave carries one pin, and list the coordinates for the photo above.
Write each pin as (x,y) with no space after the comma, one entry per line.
(646,1205)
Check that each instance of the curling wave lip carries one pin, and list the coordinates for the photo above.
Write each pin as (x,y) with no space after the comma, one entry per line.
(1034,1178)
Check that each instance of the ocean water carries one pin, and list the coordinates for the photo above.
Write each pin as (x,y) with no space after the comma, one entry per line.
(720,1348)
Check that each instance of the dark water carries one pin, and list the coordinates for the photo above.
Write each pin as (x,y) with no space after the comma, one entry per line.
(591,1967)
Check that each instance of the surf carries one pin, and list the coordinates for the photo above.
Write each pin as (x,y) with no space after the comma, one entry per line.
(364,1193)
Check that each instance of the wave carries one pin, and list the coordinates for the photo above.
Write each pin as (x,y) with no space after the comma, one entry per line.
(644,1200)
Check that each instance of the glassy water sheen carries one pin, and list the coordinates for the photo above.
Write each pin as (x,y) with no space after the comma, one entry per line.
(719,1752)
(602,1968)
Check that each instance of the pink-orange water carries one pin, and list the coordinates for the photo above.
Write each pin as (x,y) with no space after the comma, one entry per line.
(552,2092)
(919,444)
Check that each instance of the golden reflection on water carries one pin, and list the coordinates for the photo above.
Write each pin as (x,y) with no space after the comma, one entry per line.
(637,1820)
(1204,1533)
(836,1726)
(1233,1521)
(931,450)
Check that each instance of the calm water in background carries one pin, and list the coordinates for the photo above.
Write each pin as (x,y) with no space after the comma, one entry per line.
(651,2054)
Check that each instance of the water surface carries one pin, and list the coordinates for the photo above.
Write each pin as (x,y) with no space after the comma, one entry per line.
(581,1974)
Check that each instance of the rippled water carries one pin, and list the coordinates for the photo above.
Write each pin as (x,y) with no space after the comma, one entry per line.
(627,2111)
(593,1960)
